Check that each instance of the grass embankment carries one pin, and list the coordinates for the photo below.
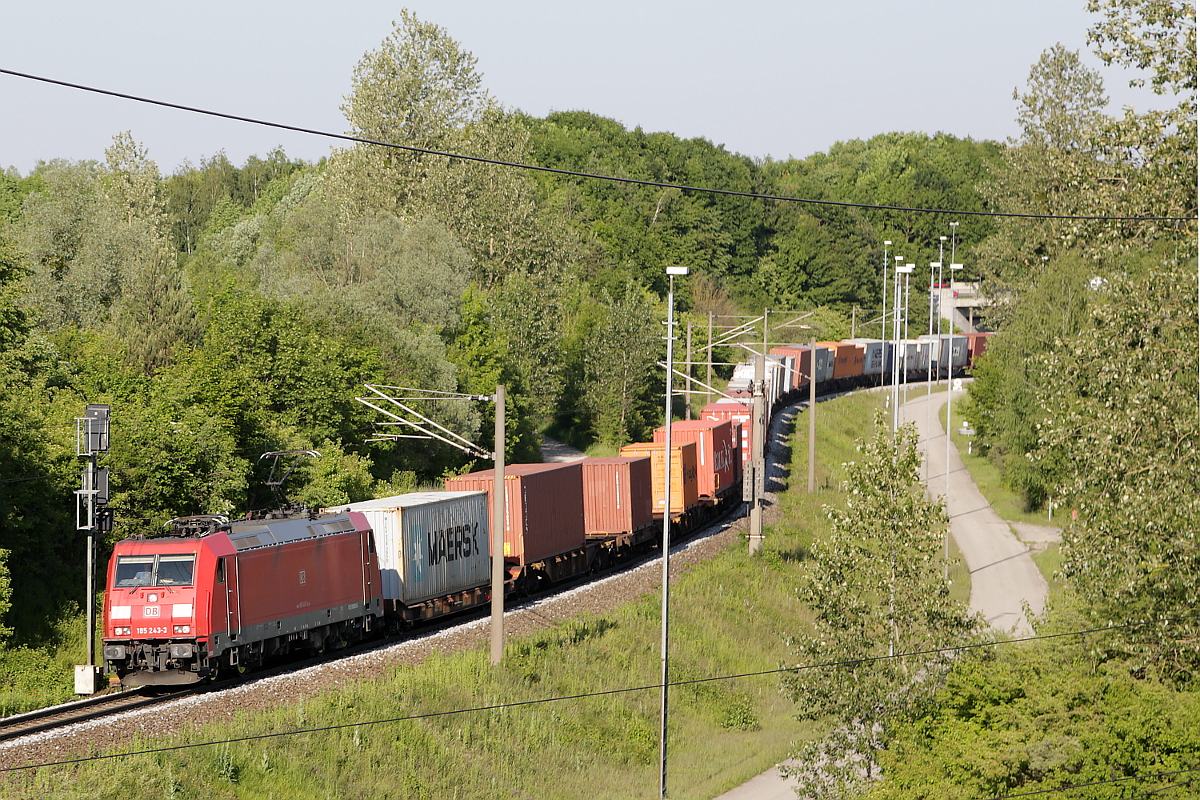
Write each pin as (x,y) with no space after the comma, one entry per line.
(34,677)
(729,616)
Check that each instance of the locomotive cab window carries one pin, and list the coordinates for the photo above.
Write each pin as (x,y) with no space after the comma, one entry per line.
(175,570)
(154,570)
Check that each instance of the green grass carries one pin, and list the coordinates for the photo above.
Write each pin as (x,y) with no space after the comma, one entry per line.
(1007,503)
(731,615)
(1049,562)
(36,677)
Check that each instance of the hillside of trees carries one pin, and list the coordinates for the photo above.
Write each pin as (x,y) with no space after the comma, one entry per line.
(226,311)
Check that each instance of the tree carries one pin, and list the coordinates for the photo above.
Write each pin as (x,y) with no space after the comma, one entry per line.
(619,359)
(1057,166)
(1121,421)
(420,89)
(876,589)
(97,243)
(1010,379)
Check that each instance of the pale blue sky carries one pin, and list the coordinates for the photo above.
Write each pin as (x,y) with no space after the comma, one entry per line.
(764,78)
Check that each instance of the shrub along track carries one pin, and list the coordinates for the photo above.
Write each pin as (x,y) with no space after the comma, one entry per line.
(166,719)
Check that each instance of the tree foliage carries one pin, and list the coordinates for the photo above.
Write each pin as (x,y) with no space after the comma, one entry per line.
(1041,716)
(620,362)
(876,587)
(1123,417)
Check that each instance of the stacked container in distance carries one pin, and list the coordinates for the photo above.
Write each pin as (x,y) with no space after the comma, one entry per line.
(737,413)
(717,462)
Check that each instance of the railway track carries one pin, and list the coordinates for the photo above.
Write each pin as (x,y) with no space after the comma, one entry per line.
(95,708)
(47,719)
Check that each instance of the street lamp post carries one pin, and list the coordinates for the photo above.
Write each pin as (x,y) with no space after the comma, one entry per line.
(666,535)
(896,354)
(883,304)
(949,413)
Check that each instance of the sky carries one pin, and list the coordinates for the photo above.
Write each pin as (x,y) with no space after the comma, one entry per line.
(764,78)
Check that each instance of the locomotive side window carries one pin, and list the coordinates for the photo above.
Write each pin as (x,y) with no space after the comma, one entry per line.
(154,570)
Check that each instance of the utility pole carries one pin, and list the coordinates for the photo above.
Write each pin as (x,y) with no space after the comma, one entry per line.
(708,374)
(812,416)
(666,533)
(91,439)
(755,482)
(687,390)
(498,534)
(407,418)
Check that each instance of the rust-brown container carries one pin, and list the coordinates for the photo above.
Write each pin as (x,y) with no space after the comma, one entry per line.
(847,358)
(684,486)
(716,456)
(800,368)
(543,508)
(617,495)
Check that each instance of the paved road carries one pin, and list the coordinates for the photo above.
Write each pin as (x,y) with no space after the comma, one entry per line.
(1003,575)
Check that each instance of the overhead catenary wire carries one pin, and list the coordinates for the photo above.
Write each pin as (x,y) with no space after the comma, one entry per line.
(1106,782)
(586,695)
(572,173)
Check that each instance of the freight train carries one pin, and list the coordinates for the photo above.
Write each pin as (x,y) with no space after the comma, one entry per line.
(215,596)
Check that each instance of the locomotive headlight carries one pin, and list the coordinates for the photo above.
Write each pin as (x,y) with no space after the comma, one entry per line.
(182,629)
(122,631)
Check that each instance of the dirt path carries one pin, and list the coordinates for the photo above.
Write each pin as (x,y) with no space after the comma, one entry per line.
(554,451)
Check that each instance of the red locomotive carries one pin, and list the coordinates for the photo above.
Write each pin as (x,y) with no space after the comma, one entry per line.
(219,596)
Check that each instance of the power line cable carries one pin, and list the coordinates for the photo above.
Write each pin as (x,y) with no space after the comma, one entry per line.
(22,480)
(582,696)
(571,173)
(1106,782)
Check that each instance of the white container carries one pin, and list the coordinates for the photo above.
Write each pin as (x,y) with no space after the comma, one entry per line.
(429,543)
(876,355)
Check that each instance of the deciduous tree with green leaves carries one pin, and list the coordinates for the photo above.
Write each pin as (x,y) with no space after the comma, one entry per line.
(876,588)
(619,362)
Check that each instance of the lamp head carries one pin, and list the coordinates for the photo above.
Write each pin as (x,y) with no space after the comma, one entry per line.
(677,270)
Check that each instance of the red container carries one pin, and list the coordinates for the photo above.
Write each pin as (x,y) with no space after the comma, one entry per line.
(543,508)
(738,414)
(684,485)
(976,345)
(847,358)
(617,496)
(800,371)
(716,458)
